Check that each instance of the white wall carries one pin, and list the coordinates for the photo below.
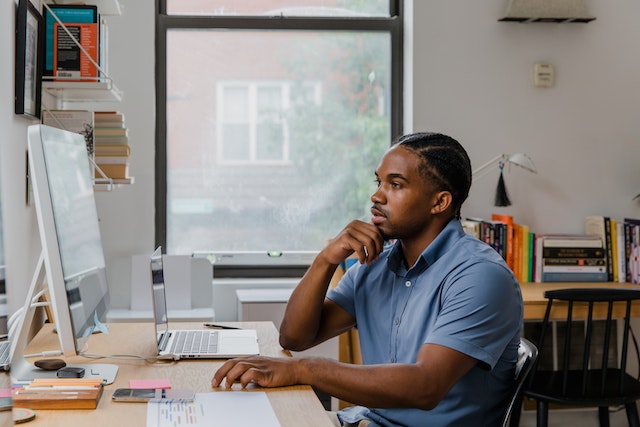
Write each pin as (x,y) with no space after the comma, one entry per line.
(127,214)
(472,78)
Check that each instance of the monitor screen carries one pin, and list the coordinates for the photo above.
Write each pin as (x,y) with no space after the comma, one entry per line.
(62,179)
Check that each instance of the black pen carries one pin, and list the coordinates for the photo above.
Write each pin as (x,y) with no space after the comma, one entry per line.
(216,326)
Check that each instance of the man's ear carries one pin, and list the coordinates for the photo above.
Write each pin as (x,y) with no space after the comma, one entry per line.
(442,202)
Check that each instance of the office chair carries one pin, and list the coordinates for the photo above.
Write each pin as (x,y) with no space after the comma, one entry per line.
(527,355)
(586,381)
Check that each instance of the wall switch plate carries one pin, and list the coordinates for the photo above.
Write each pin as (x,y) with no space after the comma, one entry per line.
(543,75)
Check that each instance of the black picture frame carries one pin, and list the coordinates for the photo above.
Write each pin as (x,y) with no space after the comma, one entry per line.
(29,57)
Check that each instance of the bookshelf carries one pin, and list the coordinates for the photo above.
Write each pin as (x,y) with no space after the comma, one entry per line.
(77,92)
(90,91)
(98,89)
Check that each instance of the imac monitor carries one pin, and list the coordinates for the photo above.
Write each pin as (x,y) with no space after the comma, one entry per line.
(72,258)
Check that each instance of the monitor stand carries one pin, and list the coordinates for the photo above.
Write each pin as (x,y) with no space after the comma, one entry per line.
(21,370)
(24,371)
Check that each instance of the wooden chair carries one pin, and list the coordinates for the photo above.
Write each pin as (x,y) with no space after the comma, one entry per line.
(586,381)
(527,355)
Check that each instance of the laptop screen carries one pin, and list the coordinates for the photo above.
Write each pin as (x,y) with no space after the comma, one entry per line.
(157,289)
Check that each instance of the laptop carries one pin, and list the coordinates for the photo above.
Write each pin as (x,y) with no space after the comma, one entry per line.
(5,346)
(193,343)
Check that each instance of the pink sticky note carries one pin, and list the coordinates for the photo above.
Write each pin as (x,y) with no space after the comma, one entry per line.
(166,384)
(5,392)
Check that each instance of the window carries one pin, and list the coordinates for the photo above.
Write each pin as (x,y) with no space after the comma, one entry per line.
(271,119)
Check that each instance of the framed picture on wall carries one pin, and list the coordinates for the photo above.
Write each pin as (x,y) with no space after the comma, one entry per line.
(28,60)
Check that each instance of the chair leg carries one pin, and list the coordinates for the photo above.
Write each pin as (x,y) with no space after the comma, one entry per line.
(514,421)
(603,416)
(632,414)
(542,414)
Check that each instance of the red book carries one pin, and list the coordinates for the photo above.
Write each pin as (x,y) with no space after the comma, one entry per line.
(69,61)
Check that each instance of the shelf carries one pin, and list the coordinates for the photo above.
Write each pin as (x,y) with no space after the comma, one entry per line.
(107,184)
(76,91)
(106,7)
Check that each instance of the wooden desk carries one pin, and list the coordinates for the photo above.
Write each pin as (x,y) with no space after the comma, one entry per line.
(535,304)
(294,406)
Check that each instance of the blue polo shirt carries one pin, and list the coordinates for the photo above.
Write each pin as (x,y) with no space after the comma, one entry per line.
(460,294)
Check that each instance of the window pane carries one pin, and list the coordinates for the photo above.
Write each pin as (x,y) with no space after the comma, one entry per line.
(269,130)
(275,150)
(279,7)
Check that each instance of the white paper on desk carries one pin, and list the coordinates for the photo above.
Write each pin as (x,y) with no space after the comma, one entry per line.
(225,408)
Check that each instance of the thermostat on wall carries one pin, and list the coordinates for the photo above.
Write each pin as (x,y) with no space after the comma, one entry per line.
(543,75)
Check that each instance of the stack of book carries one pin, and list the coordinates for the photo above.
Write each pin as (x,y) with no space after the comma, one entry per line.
(513,241)
(628,239)
(570,258)
(111,146)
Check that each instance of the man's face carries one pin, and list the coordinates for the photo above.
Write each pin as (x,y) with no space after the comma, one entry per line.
(402,203)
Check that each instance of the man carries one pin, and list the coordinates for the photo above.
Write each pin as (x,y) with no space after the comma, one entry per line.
(438,313)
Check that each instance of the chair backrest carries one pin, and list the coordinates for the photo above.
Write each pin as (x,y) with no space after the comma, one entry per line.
(527,355)
(588,305)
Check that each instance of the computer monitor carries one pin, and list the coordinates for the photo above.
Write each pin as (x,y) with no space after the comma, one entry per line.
(61,176)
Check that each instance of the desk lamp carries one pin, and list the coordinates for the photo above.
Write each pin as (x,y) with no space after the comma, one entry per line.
(519,159)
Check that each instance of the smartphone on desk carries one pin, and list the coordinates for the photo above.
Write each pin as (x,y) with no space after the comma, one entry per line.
(148,394)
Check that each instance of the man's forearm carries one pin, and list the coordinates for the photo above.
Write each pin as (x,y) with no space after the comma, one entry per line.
(374,386)
(302,319)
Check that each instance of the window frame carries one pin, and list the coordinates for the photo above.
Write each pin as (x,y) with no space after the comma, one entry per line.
(393,25)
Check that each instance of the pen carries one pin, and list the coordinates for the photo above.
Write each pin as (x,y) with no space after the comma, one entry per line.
(216,326)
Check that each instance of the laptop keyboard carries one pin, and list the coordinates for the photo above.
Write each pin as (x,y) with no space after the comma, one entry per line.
(4,353)
(194,342)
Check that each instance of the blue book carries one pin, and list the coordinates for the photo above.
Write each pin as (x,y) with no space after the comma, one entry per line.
(78,14)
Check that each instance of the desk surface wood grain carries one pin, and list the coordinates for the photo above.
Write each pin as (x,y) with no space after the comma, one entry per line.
(294,406)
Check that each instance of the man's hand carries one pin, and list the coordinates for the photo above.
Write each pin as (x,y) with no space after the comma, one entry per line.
(362,238)
(264,371)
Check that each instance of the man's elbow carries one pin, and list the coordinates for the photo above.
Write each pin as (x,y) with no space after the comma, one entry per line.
(426,399)
(292,344)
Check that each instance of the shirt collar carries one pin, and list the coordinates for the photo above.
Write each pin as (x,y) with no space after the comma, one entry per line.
(451,233)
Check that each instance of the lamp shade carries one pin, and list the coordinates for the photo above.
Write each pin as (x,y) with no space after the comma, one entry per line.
(519,159)
(524,161)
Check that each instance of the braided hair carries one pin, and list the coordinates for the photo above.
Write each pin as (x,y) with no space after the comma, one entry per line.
(443,161)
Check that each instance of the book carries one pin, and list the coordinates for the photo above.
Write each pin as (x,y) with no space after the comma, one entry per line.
(110,140)
(525,255)
(517,251)
(111,160)
(602,269)
(620,248)
(614,248)
(632,249)
(76,13)
(109,117)
(78,121)
(471,227)
(106,131)
(571,252)
(112,150)
(573,241)
(573,277)
(574,261)
(600,225)
(507,239)
(69,61)
(119,171)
